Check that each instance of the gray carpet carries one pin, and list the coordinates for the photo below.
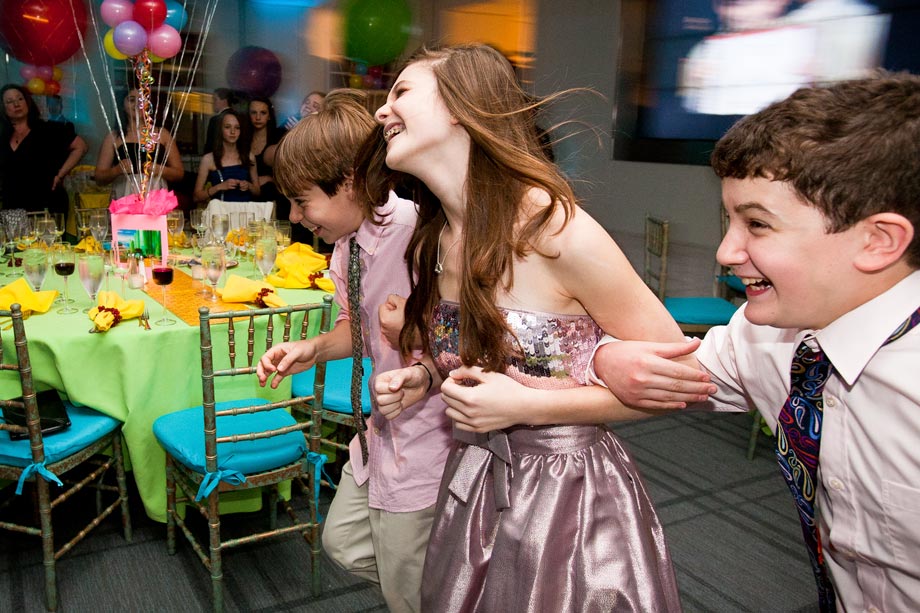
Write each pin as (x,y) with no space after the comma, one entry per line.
(731,525)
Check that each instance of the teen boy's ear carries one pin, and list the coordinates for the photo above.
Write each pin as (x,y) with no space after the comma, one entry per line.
(886,237)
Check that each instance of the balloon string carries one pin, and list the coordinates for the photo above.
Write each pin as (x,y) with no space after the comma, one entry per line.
(148,135)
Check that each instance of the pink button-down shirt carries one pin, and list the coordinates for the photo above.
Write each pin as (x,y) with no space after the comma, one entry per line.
(406,454)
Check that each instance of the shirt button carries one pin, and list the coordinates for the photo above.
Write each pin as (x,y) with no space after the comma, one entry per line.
(830,402)
(837,484)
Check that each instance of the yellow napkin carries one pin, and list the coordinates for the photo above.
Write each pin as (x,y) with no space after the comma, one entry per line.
(178,241)
(104,317)
(297,266)
(88,245)
(240,289)
(20,291)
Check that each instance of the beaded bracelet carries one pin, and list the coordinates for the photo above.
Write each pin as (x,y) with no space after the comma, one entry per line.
(430,378)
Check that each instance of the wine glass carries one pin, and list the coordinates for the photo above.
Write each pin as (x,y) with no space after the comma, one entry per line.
(35,267)
(220,227)
(82,223)
(45,228)
(99,224)
(265,253)
(163,275)
(175,222)
(199,222)
(91,268)
(60,222)
(64,260)
(214,264)
(283,232)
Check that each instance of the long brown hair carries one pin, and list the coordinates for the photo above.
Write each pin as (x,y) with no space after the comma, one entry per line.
(243,143)
(480,90)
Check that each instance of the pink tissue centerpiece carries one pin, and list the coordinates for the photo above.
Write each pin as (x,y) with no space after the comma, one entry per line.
(158,202)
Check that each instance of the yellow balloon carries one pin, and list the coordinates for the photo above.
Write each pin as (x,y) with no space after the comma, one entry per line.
(156,59)
(36,85)
(58,74)
(108,42)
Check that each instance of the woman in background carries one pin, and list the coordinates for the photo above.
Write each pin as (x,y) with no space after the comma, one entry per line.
(265,137)
(35,155)
(229,172)
(121,160)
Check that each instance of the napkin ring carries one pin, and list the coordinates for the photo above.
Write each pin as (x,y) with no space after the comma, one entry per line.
(260,298)
(116,315)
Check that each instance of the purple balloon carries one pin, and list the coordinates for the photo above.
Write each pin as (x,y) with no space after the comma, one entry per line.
(45,72)
(130,38)
(28,71)
(254,70)
(164,42)
(115,11)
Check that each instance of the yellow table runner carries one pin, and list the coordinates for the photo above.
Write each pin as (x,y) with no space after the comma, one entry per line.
(184,297)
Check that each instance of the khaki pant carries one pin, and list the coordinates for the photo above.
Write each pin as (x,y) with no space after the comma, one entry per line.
(378,546)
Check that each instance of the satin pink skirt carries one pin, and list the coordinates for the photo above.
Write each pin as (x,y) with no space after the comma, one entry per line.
(579,532)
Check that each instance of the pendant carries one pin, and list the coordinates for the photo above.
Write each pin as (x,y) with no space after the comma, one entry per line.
(438,269)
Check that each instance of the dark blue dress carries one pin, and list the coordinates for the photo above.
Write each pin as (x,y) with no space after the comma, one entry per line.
(239,172)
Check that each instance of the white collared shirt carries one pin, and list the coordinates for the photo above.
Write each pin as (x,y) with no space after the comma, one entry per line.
(869,465)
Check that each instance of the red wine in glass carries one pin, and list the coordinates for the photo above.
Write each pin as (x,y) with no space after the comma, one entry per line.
(163,275)
(65,269)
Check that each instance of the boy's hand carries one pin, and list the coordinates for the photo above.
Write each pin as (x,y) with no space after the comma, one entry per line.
(286,359)
(392,315)
(480,401)
(398,389)
(645,375)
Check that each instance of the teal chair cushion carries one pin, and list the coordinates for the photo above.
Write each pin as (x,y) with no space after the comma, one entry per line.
(86,427)
(337,395)
(700,310)
(182,435)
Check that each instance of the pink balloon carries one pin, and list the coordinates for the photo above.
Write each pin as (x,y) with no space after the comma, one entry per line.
(115,11)
(28,72)
(164,41)
(130,38)
(45,72)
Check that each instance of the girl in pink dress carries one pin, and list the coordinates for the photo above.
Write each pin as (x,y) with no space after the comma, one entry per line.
(541,508)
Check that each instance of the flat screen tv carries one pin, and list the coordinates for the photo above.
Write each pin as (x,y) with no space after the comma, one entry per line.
(688,69)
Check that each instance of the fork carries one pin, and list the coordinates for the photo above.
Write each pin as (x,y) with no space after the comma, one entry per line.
(146,318)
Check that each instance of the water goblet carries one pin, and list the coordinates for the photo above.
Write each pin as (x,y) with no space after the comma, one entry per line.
(199,222)
(64,260)
(175,222)
(91,268)
(265,253)
(35,267)
(214,264)
(45,228)
(220,227)
(60,222)
(99,224)
(163,275)
(82,223)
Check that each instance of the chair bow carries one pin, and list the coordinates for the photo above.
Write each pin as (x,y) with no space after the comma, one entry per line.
(212,480)
(33,468)
(491,450)
(318,460)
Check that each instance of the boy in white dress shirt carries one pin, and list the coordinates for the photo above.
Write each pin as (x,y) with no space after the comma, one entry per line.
(822,191)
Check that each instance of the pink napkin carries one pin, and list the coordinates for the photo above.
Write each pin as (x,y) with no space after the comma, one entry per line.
(159,202)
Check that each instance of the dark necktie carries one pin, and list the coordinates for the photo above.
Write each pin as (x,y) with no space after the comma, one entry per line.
(357,341)
(798,443)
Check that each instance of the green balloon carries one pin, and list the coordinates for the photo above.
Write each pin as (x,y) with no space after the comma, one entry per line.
(376,31)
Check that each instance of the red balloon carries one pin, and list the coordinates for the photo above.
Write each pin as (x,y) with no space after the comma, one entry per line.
(42,32)
(150,13)
(52,88)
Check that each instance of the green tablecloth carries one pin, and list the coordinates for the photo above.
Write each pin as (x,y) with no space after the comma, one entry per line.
(136,375)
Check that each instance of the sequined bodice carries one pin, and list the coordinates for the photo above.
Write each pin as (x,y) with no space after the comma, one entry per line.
(556,348)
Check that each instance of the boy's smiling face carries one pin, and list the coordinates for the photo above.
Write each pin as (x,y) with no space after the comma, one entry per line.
(797,275)
(330,218)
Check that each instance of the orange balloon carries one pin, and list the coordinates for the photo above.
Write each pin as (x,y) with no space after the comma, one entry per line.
(36,85)
(57,74)
(52,88)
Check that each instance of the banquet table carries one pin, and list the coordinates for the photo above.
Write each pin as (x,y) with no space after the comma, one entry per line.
(137,375)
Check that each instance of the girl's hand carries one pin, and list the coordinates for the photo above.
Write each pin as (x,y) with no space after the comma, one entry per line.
(399,389)
(480,401)
(243,185)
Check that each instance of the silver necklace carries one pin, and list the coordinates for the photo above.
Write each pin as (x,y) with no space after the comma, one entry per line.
(439,263)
